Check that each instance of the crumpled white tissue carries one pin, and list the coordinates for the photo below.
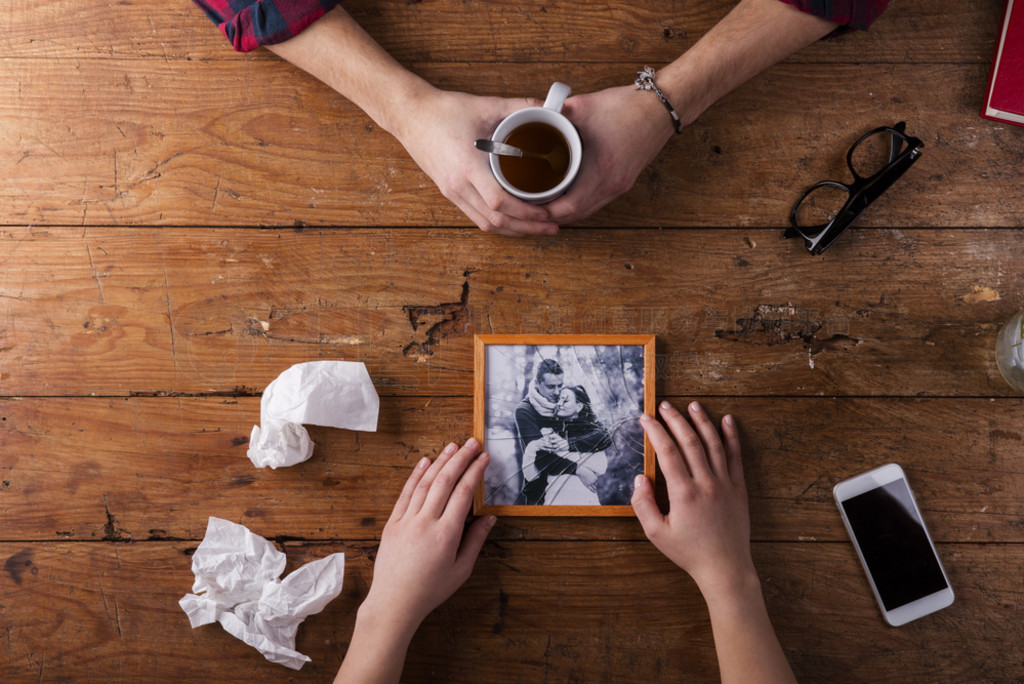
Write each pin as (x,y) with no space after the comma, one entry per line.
(335,394)
(239,572)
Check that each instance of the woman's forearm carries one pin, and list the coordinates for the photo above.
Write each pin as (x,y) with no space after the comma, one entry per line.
(377,650)
(748,649)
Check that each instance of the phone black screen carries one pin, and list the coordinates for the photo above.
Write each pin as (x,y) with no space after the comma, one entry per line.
(896,550)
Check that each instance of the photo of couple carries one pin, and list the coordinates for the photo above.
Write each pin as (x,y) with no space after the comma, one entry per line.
(562,424)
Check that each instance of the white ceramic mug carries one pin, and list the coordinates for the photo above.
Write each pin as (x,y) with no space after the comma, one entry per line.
(551,114)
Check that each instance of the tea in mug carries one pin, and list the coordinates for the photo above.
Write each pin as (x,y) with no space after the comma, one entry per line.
(531,174)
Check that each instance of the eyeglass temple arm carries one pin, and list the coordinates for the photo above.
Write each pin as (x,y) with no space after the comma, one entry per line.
(891,175)
(896,141)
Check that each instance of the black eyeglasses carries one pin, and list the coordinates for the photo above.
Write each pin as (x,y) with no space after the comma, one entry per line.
(828,208)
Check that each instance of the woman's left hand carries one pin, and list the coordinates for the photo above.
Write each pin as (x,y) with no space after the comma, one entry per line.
(426,552)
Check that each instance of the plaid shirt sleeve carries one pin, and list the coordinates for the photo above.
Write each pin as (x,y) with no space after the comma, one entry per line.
(849,14)
(248,24)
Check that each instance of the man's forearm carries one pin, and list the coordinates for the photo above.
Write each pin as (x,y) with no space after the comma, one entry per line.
(752,37)
(337,51)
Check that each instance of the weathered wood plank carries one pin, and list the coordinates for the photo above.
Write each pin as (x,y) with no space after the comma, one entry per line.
(530,31)
(82,611)
(148,469)
(120,141)
(118,312)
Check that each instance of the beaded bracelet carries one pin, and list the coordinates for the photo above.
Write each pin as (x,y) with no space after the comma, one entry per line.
(645,81)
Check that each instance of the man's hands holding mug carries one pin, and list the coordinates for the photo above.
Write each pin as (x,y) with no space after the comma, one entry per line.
(621,130)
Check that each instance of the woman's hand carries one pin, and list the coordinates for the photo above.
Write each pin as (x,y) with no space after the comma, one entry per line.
(426,553)
(588,477)
(707,534)
(707,529)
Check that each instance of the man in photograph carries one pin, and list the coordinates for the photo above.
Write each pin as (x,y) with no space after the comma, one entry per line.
(561,442)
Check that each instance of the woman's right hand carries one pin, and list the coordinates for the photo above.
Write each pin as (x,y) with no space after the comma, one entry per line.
(554,442)
(707,529)
(439,136)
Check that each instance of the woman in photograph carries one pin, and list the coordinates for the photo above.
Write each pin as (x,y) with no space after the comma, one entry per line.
(587,439)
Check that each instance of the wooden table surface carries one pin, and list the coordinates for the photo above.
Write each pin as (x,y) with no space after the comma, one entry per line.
(180,223)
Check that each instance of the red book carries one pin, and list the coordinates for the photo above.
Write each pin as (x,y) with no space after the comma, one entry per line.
(1004,100)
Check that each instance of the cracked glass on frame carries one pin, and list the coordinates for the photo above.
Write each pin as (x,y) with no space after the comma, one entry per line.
(562,424)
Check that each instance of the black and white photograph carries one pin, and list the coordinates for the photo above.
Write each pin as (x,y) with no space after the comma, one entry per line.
(561,423)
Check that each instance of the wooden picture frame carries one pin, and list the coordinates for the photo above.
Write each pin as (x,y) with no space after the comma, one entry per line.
(559,416)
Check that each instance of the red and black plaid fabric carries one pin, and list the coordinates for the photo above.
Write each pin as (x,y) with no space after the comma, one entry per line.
(249,24)
(849,14)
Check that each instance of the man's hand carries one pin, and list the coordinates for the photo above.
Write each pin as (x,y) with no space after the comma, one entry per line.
(556,443)
(623,129)
(439,136)
(436,127)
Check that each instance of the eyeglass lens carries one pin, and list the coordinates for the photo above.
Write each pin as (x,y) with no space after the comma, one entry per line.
(874,153)
(821,204)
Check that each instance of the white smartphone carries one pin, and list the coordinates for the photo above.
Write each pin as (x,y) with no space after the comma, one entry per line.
(885,524)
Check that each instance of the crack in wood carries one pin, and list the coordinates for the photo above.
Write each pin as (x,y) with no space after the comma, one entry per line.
(111,531)
(773,325)
(454,319)
(239,391)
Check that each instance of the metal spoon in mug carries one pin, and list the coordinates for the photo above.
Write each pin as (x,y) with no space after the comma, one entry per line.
(556,158)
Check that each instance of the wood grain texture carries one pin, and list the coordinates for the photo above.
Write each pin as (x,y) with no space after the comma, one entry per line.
(151,469)
(528,613)
(120,312)
(151,142)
